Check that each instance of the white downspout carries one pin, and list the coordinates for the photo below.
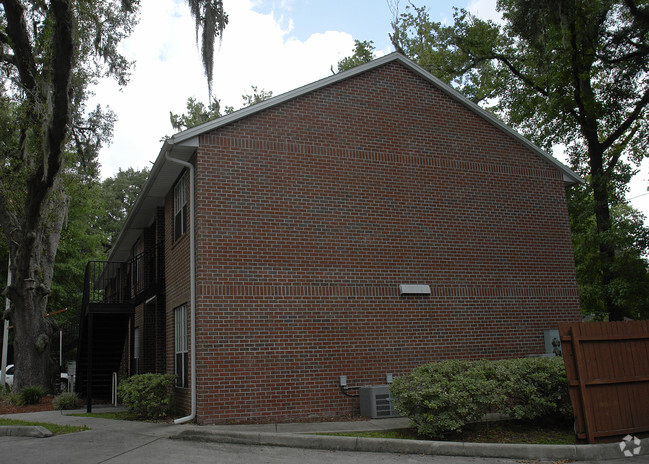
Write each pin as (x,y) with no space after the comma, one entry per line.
(192,284)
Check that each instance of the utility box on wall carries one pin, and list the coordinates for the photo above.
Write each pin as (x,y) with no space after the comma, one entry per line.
(376,402)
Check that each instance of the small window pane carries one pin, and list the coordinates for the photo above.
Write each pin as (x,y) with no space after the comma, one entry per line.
(180,341)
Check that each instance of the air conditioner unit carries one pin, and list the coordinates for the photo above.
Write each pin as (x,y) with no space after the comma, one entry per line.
(376,402)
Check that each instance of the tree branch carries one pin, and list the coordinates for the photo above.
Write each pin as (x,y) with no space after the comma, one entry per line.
(55,123)
(17,32)
(616,157)
(640,105)
(638,14)
(62,64)
(516,72)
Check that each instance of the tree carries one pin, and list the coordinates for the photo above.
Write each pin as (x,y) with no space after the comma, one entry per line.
(51,52)
(199,113)
(257,96)
(96,214)
(363,53)
(631,285)
(561,71)
(82,240)
(118,195)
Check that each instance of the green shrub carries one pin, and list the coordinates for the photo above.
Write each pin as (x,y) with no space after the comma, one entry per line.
(67,400)
(534,388)
(147,395)
(443,397)
(14,399)
(30,395)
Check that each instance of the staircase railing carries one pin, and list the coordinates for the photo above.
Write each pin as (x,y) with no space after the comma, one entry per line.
(106,283)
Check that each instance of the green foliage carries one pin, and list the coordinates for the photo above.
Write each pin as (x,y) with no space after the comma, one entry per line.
(30,395)
(257,96)
(52,52)
(147,395)
(67,400)
(199,113)
(363,53)
(443,397)
(96,214)
(533,388)
(630,288)
(117,197)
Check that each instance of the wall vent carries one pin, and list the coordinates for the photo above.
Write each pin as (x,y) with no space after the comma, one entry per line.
(376,402)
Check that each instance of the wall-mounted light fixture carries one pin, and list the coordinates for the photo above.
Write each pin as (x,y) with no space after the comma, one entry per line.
(388,378)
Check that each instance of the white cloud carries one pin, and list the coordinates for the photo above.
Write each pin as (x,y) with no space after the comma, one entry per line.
(255,50)
(484,9)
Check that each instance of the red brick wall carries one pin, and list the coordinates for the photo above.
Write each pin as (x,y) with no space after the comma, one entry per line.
(177,292)
(310,215)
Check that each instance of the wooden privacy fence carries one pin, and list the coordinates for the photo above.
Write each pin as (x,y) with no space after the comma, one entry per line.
(607,364)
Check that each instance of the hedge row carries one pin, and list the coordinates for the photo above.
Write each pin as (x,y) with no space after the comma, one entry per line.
(443,397)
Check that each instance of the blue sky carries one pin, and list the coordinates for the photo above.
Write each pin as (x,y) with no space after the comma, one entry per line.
(363,19)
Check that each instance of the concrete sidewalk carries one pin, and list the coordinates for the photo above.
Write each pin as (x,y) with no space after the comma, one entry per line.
(305,435)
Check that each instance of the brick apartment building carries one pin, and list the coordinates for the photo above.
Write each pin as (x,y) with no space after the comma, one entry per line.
(359,226)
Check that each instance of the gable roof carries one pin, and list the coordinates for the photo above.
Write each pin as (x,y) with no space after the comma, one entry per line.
(183,145)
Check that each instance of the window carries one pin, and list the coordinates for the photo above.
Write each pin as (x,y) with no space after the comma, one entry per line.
(182,363)
(138,265)
(136,349)
(180,207)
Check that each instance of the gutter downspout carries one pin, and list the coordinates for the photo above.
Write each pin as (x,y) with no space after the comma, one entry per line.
(192,284)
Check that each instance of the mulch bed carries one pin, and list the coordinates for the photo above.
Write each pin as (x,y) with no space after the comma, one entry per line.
(44,405)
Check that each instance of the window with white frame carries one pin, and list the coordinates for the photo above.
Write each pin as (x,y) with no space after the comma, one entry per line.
(182,362)
(180,207)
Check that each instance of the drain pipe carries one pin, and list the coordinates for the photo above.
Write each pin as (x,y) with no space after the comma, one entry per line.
(192,284)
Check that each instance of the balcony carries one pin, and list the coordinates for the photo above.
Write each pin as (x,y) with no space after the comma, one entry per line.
(112,284)
(111,292)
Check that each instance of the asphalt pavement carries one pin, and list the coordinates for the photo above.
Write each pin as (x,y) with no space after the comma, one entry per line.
(113,441)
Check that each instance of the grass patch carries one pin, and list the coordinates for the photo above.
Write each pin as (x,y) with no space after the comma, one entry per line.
(56,429)
(491,432)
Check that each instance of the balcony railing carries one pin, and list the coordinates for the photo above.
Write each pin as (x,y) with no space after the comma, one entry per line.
(113,282)
(105,282)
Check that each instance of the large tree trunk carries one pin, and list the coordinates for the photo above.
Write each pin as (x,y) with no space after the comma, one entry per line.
(32,223)
(599,184)
(34,252)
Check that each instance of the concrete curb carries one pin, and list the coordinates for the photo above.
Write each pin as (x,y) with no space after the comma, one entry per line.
(33,431)
(440,448)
